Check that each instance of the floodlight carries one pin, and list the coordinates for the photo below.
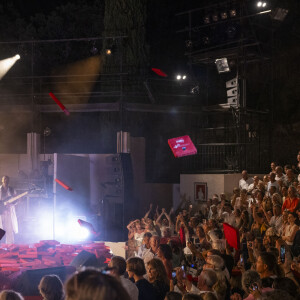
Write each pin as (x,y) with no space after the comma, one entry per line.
(184,77)
(17,56)
(259,4)
(178,77)
(222,65)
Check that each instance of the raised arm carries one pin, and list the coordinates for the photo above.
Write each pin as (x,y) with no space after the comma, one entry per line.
(148,212)
(159,218)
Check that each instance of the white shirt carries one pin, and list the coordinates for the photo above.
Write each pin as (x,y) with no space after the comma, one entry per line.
(130,288)
(275,183)
(276,222)
(148,255)
(244,184)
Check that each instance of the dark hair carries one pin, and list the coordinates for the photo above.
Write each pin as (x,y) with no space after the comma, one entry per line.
(270,261)
(136,265)
(119,264)
(267,282)
(10,295)
(148,234)
(215,252)
(173,296)
(51,288)
(91,284)
(286,284)
(166,250)
(191,297)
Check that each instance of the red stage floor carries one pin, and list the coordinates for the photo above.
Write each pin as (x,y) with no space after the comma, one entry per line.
(15,259)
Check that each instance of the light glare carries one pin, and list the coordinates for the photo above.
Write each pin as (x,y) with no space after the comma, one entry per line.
(178,77)
(259,4)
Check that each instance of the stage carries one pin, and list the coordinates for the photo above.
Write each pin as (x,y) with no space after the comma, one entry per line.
(22,266)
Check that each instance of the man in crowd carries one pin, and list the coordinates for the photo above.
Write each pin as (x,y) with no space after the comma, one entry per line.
(152,251)
(291,202)
(245,181)
(273,182)
(118,265)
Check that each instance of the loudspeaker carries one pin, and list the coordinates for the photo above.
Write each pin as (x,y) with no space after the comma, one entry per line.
(27,283)
(2,233)
(85,259)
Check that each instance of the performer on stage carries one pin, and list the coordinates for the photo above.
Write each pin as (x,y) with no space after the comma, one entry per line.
(8,218)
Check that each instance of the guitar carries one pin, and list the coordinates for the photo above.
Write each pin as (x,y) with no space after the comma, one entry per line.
(12,200)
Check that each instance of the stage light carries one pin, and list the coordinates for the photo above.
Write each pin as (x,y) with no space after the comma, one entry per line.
(6,64)
(224,15)
(232,13)
(108,51)
(222,65)
(261,4)
(181,77)
(215,17)
(206,20)
(206,40)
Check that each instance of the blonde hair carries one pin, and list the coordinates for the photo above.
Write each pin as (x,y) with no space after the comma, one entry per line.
(91,284)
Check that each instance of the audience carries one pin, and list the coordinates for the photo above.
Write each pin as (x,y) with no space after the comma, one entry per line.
(91,284)
(51,288)
(194,259)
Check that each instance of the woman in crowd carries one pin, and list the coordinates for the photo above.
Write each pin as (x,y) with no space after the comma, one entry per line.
(158,278)
(164,253)
(132,246)
(222,287)
(51,288)
(91,284)
(244,225)
(136,270)
(291,229)
(138,233)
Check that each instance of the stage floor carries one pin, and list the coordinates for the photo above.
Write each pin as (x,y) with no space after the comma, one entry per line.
(16,259)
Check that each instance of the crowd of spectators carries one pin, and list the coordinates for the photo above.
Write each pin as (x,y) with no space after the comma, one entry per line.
(199,262)
(185,253)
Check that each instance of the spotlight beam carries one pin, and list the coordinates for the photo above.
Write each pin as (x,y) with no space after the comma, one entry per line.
(7,64)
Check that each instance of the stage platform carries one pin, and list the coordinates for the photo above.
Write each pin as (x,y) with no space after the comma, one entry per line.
(15,259)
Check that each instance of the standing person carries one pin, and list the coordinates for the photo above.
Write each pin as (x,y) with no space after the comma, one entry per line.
(91,284)
(158,278)
(51,288)
(8,218)
(135,268)
(245,181)
(290,230)
(118,265)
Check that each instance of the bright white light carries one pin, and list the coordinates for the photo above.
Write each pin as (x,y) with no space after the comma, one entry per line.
(6,64)
(178,77)
(259,4)
(264,4)
(184,77)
